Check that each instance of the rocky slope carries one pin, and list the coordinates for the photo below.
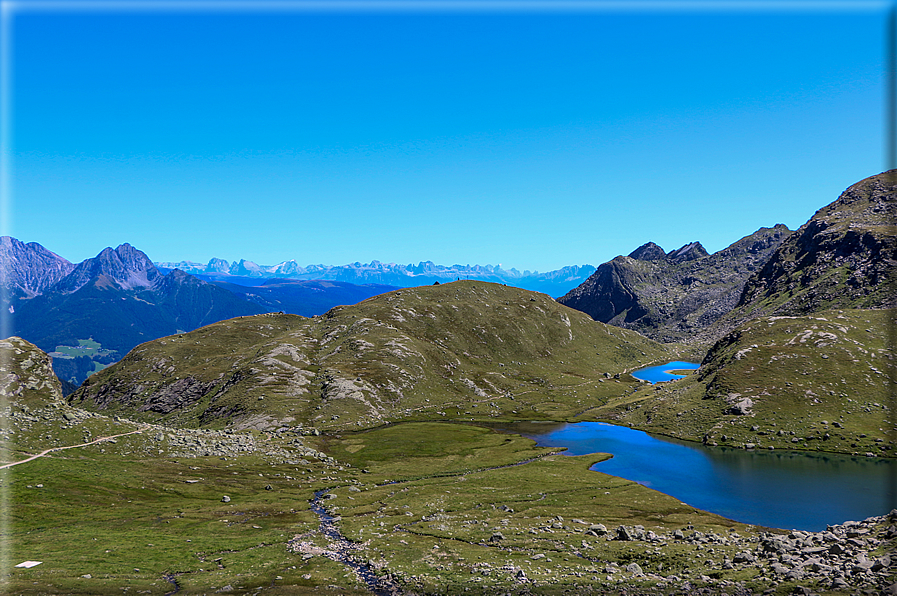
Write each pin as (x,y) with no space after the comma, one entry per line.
(671,296)
(27,375)
(845,256)
(460,349)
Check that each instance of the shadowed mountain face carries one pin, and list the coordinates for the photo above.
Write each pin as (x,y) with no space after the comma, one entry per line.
(671,296)
(843,257)
(118,319)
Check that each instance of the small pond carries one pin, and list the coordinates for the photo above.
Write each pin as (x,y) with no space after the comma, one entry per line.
(661,373)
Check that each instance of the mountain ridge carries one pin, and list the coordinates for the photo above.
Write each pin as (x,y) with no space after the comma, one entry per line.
(670,296)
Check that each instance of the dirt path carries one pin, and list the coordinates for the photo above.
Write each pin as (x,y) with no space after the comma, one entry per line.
(51,450)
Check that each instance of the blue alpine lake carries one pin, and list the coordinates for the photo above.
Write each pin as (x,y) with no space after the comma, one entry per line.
(659,374)
(779,489)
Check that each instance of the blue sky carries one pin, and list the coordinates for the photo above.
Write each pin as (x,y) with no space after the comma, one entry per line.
(534,138)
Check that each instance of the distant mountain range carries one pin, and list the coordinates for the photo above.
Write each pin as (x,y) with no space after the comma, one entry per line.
(243,272)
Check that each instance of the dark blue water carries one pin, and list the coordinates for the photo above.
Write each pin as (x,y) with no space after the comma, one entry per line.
(791,490)
(659,374)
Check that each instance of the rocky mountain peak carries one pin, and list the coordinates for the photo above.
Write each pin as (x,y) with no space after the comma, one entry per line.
(670,297)
(245,268)
(648,252)
(689,252)
(128,267)
(178,276)
(217,265)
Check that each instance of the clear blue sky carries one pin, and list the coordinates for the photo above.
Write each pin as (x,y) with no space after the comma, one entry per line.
(531,138)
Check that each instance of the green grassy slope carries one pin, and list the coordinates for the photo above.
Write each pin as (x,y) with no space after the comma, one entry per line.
(471,350)
(815,382)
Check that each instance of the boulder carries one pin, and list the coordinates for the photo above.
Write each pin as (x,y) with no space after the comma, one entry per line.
(741,407)
(744,557)
(779,569)
(839,585)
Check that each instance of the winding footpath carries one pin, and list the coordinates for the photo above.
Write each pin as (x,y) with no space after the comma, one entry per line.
(52,449)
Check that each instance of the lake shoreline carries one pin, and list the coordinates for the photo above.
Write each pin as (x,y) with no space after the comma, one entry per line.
(764,488)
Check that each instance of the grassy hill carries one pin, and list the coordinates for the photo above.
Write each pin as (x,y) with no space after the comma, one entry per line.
(816,382)
(464,350)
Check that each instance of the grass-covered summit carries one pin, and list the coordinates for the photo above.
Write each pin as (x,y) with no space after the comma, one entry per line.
(466,349)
